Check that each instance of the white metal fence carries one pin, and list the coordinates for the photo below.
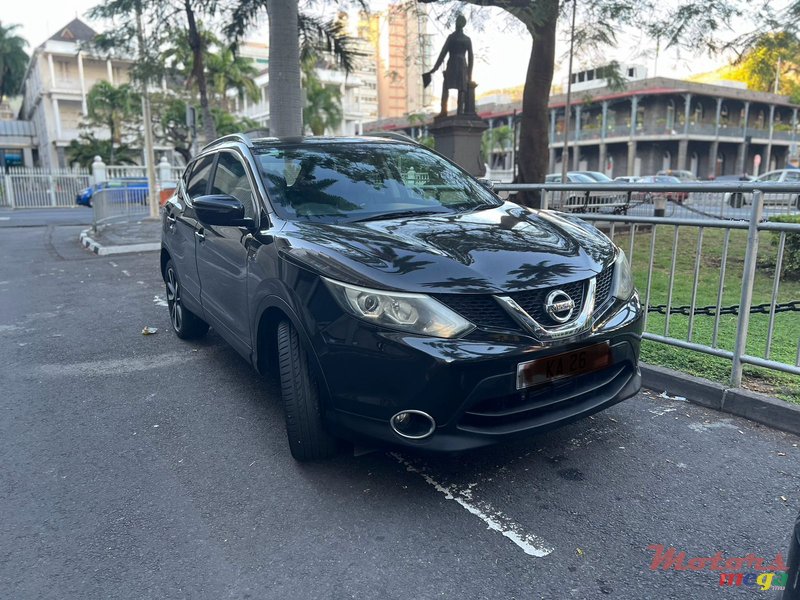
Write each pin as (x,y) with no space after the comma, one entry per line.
(33,187)
(713,281)
(119,204)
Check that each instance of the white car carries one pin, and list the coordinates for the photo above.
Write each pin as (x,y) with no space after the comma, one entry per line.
(783,176)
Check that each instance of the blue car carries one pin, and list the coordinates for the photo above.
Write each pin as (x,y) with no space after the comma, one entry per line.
(127,189)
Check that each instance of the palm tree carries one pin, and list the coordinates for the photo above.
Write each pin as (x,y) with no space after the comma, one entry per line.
(290,32)
(84,149)
(499,138)
(229,71)
(323,109)
(112,107)
(13,61)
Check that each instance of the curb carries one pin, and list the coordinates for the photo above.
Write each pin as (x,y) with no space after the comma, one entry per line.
(88,242)
(735,401)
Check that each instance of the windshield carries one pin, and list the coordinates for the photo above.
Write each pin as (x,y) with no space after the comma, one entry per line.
(353,181)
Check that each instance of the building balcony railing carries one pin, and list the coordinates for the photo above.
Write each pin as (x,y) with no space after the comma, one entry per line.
(784,135)
(592,132)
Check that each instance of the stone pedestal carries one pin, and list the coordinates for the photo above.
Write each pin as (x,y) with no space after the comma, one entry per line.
(458,137)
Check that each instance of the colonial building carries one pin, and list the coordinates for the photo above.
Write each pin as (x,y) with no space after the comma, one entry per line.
(60,74)
(660,123)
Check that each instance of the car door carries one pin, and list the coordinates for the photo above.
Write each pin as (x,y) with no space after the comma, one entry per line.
(773,177)
(181,225)
(222,256)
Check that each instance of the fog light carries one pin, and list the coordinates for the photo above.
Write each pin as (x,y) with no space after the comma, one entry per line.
(413,424)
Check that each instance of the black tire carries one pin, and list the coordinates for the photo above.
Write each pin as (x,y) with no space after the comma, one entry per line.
(737,200)
(308,439)
(185,323)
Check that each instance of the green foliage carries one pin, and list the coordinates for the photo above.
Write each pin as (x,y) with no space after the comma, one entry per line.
(13,61)
(758,66)
(114,107)
(791,251)
(226,123)
(323,109)
(87,146)
(496,139)
(427,140)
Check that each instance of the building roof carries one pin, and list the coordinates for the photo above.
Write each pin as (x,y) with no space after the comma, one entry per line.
(74,31)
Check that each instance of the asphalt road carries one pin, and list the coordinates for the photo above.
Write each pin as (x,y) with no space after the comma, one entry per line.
(146,467)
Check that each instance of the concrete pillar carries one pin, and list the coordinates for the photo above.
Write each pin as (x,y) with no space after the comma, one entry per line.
(551,164)
(27,157)
(741,153)
(110,72)
(84,108)
(718,117)
(768,154)
(631,156)
(603,127)
(683,152)
(687,113)
(576,150)
(57,118)
(98,170)
(52,70)
(712,158)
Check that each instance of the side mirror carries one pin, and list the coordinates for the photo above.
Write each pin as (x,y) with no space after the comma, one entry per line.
(487,183)
(221,209)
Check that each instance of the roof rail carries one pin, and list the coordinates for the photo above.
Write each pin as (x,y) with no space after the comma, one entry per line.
(393,135)
(245,138)
(233,137)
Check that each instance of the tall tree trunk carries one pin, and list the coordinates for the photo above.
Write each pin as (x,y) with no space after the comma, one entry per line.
(199,68)
(285,103)
(113,134)
(534,144)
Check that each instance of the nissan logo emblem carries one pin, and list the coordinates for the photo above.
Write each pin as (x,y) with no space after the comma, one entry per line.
(559,306)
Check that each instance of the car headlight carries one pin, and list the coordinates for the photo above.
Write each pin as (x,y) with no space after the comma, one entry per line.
(415,313)
(623,279)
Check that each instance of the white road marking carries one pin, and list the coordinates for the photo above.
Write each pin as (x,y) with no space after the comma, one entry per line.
(112,263)
(660,412)
(117,366)
(495,520)
(124,272)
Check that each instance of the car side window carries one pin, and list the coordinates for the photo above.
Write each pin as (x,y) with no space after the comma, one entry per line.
(792,176)
(231,178)
(198,180)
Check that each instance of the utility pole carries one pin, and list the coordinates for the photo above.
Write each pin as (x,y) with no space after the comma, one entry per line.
(147,120)
(568,108)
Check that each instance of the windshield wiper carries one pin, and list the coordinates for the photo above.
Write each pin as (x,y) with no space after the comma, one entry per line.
(399,214)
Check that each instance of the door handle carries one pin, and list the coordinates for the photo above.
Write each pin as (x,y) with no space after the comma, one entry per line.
(171,219)
(200,235)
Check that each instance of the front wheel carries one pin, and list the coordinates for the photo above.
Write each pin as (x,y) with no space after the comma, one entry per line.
(185,323)
(308,439)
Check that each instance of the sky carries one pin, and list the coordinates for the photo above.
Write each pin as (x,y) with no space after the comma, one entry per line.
(501,51)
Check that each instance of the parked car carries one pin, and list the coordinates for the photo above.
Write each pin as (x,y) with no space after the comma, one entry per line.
(681,175)
(596,176)
(398,299)
(627,179)
(783,176)
(578,201)
(125,189)
(732,178)
(650,196)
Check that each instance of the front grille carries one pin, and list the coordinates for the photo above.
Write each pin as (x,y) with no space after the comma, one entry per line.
(603,289)
(548,403)
(532,301)
(480,309)
(484,311)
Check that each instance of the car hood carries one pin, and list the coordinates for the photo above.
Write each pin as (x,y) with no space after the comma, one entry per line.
(497,250)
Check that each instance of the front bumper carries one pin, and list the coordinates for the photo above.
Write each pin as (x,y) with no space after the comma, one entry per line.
(467,385)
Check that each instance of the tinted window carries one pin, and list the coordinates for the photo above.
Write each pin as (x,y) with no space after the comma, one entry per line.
(774,176)
(363,179)
(231,178)
(198,180)
(792,176)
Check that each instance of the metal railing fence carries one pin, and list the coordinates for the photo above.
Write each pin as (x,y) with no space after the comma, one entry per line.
(42,189)
(711,284)
(119,204)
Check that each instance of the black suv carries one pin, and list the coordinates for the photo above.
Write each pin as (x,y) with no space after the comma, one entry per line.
(397,297)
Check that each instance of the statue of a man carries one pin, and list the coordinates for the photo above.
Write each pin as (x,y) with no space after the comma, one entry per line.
(458,73)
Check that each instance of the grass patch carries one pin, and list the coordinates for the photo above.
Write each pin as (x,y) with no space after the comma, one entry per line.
(786,332)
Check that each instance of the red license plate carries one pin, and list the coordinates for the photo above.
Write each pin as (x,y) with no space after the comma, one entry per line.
(568,364)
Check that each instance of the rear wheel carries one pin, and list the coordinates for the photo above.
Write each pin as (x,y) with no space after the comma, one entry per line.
(308,439)
(185,323)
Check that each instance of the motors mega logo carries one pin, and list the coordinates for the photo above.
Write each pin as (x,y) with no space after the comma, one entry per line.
(750,570)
